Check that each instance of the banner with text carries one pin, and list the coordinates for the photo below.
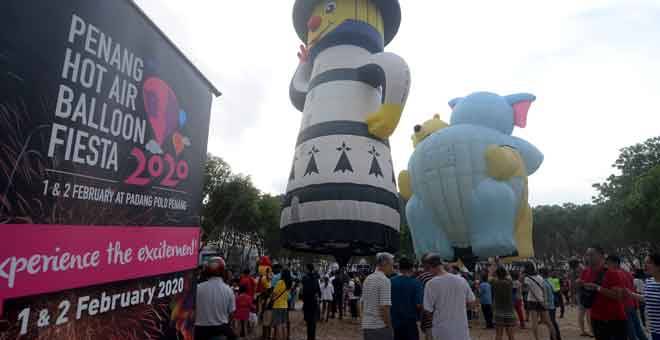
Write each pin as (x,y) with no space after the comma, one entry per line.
(104,132)
(47,253)
(159,307)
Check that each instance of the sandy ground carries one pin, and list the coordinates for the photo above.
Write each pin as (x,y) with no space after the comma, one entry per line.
(350,330)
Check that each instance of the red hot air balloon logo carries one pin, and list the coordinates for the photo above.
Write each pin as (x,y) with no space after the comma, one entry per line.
(166,118)
(164,115)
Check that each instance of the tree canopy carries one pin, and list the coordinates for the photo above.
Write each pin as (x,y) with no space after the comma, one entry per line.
(625,211)
(231,202)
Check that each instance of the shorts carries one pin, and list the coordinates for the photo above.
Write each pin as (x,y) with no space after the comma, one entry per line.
(280,316)
(378,334)
(534,306)
(578,301)
(505,319)
(407,330)
(267,318)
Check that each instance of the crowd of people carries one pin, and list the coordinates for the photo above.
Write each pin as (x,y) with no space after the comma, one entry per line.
(434,300)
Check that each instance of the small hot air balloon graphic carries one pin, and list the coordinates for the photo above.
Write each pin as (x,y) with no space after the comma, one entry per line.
(162,110)
(177,141)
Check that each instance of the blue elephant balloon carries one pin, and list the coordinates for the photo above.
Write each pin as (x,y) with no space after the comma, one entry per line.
(469,181)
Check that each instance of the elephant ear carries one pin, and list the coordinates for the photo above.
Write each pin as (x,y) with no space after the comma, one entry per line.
(520,104)
(455,102)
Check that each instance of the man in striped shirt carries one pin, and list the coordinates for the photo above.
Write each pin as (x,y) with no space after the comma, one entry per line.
(652,295)
(424,277)
(376,300)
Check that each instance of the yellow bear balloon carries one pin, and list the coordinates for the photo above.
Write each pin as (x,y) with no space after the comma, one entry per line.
(420,132)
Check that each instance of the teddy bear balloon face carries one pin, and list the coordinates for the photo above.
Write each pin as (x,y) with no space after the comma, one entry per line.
(469,181)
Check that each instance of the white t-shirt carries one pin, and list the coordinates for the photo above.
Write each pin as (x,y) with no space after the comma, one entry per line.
(327,292)
(535,286)
(446,297)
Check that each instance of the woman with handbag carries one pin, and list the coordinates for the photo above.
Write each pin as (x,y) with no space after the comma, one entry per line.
(280,305)
(536,301)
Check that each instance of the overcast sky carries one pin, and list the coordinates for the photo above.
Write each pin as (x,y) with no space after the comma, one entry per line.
(593,66)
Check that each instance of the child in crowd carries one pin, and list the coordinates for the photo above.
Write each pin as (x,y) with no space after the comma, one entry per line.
(244,305)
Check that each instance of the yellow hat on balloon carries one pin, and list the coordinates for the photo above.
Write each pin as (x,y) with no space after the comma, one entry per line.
(315,19)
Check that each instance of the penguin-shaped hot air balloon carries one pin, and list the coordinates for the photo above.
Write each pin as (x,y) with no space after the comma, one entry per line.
(341,197)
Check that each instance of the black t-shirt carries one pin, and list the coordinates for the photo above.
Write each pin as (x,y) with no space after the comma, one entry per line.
(310,288)
(338,285)
(357,292)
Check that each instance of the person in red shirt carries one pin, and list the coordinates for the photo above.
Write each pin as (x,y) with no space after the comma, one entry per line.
(608,316)
(247,281)
(635,330)
(244,305)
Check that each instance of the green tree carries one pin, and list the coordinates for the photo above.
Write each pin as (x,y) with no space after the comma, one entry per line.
(269,223)
(643,205)
(233,203)
(216,173)
(230,200)
(566,230)
(623,211)
(633,162)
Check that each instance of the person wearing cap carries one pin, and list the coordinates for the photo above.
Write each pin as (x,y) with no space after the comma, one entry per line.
(216,303)
(446,296)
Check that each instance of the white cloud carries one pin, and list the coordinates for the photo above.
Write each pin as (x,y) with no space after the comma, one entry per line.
(591,63)
(153,147)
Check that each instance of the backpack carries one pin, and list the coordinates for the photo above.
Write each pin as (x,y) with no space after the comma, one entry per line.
(547,292)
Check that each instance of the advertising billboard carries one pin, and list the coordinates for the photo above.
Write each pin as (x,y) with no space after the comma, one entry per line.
(103,134)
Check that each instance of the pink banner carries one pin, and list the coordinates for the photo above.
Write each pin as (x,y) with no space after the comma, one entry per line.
(37,259)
